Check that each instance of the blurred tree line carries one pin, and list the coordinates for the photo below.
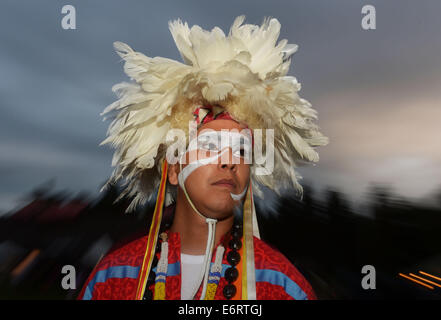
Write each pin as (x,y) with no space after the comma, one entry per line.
(326,240)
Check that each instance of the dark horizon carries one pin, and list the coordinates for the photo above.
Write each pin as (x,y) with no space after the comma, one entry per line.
(327,242)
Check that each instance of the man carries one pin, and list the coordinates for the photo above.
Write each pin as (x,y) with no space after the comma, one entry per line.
(207,245)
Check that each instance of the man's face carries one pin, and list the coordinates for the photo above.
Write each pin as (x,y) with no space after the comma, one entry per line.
(210,185)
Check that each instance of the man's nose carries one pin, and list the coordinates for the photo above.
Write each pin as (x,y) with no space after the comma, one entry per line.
(226,160)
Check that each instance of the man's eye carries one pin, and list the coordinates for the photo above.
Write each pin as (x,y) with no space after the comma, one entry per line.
(209,146)
(240,153)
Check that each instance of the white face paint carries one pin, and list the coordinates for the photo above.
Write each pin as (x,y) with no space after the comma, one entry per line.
(239,196)
(217,143)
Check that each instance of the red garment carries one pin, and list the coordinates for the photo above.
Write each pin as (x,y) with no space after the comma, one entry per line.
(116,276)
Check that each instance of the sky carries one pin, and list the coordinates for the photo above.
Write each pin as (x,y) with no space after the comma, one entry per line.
(377,92)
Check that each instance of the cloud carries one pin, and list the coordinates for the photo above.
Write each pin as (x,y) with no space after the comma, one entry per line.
(390,135)
(376,92)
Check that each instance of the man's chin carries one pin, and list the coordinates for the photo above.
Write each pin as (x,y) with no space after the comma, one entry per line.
(221,209)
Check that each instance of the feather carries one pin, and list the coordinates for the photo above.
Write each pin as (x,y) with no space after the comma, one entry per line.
(248,66)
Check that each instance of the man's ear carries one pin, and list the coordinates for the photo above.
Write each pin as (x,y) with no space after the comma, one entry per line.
(173,171)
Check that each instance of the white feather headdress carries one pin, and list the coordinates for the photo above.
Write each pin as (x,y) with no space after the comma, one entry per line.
(245,72)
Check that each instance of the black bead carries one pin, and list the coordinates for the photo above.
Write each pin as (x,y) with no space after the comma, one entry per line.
(148,294)
(237,233)
(237,226)
(235,244)
(229,291)
(233,258)
(231,274)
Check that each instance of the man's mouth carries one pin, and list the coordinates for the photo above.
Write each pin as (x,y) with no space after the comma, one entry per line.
(229,183)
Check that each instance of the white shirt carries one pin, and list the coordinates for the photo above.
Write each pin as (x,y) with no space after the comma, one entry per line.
(191,269)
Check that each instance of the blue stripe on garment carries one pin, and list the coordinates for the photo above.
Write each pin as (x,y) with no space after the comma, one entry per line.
(111,272)
(281,279)
(174,269)
(276,278)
